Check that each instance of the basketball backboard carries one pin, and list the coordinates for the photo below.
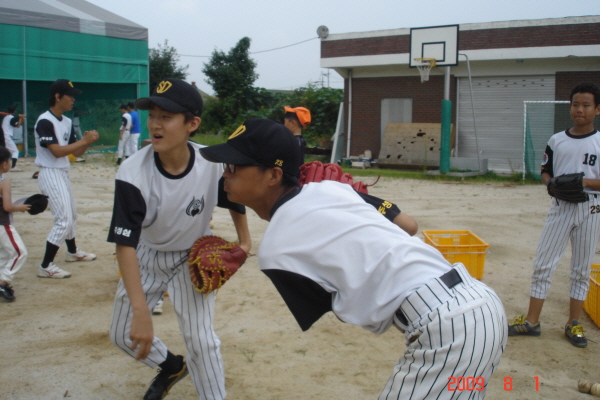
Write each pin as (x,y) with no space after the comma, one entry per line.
(439,42)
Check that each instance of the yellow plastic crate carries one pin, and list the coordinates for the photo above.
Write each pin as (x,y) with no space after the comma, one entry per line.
(460,246)
(591,305)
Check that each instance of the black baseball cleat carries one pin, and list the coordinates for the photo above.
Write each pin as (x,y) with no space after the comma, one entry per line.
(7,292)
(164,381)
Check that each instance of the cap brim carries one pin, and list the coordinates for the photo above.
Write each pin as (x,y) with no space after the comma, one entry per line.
(145,103)
(226,153)
(73,92)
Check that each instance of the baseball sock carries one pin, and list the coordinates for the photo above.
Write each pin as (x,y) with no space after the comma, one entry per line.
(119,161)
(71,247)
(172,364)
(51,250)
(14,162)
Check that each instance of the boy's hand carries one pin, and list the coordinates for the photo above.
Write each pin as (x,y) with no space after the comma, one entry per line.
(141,334)
(91,137)
(23,207)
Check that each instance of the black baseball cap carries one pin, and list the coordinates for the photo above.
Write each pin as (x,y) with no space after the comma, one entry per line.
(173,95)
(261,141)
(62,87)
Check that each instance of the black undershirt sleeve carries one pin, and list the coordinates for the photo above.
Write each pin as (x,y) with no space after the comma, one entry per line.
(45,131)
(129,211)
(386,208)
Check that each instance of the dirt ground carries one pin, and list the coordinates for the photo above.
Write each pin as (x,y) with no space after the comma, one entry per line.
(54,337)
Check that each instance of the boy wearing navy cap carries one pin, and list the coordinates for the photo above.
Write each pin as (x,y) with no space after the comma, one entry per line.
(325,249)
(164,200)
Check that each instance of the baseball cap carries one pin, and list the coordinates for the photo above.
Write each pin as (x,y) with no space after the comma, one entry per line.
(262,141)
(62,87)
(302,113)
(173,95)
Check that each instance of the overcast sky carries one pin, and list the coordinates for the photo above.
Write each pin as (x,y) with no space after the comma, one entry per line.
(197,27)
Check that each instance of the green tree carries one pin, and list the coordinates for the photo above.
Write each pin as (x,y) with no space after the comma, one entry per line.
(163,64)
(231,76)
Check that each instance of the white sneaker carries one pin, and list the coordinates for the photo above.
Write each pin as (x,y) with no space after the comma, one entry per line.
(80,255)
(158,307)
(16,169)
(53,272)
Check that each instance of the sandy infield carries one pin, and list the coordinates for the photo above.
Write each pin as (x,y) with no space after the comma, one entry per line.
(54,337)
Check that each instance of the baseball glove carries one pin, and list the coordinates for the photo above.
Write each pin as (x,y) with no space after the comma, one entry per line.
(39,203)
(212,261)
(315,171)
(567,187)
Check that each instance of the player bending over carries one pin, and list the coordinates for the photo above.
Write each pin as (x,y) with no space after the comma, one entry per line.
(326,249)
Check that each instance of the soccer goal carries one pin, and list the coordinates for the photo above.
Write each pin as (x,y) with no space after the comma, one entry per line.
(541,120)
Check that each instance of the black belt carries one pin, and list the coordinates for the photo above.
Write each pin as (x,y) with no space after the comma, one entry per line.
(450,279)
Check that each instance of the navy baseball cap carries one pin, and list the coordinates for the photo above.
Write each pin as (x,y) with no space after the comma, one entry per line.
(259,141)
(62,87)
(173,95)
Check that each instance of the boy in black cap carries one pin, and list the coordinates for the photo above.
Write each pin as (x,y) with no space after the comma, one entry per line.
(164,200)
(54,141)
(325,249)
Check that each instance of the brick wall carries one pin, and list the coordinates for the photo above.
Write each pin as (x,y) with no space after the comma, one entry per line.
(533,36)
(367,94)
(566,81)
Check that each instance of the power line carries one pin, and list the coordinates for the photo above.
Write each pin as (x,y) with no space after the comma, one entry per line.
(256,52)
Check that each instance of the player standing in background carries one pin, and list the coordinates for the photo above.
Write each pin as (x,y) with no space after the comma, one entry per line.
(164,201)
(54,141)
(296,119)
(124,133)
(12,249)
(572,151)
(325,249)
(136,129)
(9,123)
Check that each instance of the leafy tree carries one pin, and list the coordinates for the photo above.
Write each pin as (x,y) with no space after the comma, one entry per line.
(163,64)
(231,76)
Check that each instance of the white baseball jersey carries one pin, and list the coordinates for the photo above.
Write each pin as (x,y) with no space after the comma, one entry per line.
(325,249)
(49,129)
(567,154)
(165,212)
(8,125)
(126,122)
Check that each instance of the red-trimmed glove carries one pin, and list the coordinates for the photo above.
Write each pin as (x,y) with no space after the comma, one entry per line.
(212,261)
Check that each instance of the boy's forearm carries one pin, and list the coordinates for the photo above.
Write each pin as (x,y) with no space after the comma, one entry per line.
(240,221)
(130,272)
(591,183)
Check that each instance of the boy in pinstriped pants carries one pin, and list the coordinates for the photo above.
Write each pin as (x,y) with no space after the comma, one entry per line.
(571,151)
(54,140)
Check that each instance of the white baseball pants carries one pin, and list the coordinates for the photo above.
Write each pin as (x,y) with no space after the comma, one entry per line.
(168,271)
(457,333)
(579,223)
(56,184)
(122,145)
(12,252)
(132,144)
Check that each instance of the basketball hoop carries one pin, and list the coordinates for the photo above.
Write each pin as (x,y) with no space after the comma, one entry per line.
(424,65)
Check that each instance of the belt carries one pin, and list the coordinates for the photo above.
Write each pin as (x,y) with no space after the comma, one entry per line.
(450,279)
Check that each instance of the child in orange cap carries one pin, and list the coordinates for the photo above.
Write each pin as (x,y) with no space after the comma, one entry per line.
(296,119)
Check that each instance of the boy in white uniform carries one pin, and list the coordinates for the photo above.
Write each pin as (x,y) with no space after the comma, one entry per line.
(164,200)
(54,140)
(326,249)
(575,150)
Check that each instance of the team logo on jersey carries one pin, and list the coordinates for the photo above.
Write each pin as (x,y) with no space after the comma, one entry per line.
(195,207)
(66,136)
(163,86)
(241,129)
(545,159)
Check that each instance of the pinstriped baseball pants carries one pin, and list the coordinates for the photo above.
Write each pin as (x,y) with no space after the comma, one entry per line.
(459,332)
(12,252)
(168,271)
(56,184)
(579,223)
